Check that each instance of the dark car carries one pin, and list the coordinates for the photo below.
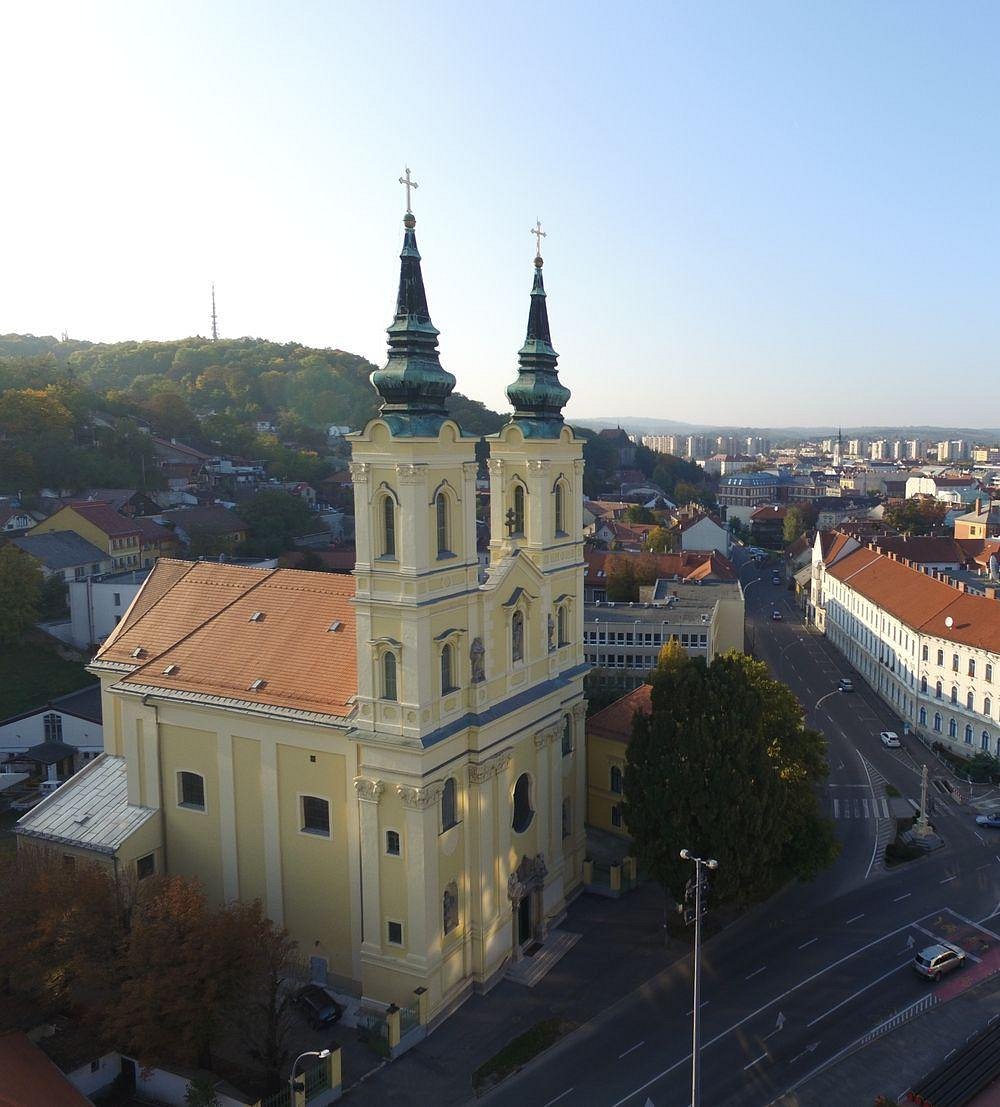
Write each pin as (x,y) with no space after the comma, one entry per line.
(992,821)
(319,1008)
(776,616)
(846,684)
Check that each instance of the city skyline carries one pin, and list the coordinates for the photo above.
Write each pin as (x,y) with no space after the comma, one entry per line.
(745,216)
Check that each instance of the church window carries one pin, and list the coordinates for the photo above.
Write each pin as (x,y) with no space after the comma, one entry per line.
(567,736)
(449,805)
(394,933)
(316,816)
(518,527)
(388,676)
(616,780)
(388,527)
(450,907)
(523,811)
(53,727)
(191,790)
(392,843)
(447,674)
(561,626)
(560,510)
(517,636)
(567,817)
(441,512)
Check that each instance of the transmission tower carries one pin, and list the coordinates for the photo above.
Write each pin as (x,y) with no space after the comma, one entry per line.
(215,318)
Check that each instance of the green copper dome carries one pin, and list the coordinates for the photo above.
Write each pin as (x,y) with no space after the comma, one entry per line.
(412,384)
(537,394)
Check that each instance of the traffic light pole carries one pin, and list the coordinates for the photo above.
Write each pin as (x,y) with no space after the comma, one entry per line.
(696,1013)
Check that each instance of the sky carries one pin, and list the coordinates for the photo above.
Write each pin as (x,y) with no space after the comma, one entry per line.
(763,213)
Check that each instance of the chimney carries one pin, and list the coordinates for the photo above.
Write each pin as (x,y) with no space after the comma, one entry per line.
(979,505)
(961,585)
(990,591)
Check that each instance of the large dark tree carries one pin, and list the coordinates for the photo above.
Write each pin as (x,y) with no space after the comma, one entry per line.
(724,766)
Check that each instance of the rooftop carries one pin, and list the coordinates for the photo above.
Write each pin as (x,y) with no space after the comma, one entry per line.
(615,721)
(678,602)
(30,1078)
(60,549)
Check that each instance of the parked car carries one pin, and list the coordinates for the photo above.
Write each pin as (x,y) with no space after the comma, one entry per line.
(775,579)
(845,685)
(934,961)
(890,739)
(318,1006)
(776,616)
(989,820)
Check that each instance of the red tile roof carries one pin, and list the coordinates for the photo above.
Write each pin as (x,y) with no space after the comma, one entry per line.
(681,565)
(105,518)
(615,721)
(29,1079)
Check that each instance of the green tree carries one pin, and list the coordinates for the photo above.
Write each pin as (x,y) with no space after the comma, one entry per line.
(273,519)
(916,516)
(725,766)
(20,594)
(659,540)
(794,525)
(637,513)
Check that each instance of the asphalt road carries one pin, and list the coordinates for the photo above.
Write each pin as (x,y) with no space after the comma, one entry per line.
(792,984)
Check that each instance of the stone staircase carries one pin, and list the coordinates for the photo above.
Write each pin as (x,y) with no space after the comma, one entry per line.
(529,970)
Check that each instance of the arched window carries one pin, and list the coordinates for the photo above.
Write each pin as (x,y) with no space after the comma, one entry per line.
(559,510)
(567,736)
(970,701)
(449,804)
(388,676)
(923,716)
(989,674)
(968,735)
(937,690)
(972,667)
(940,657)
(441,512)
(954,662)
(517,636)
(954,694)
(518,527)
(937,722)
(447,675)
(923,653)
(923,684)
(388,527)
(561,626)
(985,741)
(523,812)
(952,728)
(616,780)
(987,705)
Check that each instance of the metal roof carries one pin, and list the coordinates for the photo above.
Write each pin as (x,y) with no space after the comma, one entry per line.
(90,811)
(61,549)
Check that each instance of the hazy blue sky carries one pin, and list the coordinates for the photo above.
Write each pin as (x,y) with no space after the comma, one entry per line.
(756,212)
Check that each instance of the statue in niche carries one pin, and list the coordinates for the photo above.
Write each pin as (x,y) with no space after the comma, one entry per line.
(477,655)
(517,636)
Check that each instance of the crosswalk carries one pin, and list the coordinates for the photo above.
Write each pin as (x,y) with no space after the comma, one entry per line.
(861,807)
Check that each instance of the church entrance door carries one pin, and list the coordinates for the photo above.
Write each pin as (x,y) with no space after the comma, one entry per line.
(524,932)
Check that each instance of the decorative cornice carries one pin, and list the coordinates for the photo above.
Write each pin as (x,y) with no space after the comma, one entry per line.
(578,466)
(369,790)
(536,466)
(548,735)
(411,474)
(419,798)
(470,469)
(495,466)
(486,770)
(360,472)
(580,711)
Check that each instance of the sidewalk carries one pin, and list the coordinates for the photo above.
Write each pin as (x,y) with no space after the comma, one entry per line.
(893,1063)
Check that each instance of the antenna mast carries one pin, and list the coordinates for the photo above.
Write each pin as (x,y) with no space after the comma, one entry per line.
(215,318)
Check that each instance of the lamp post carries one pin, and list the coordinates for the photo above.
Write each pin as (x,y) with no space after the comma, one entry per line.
(322,1054)
(699,863)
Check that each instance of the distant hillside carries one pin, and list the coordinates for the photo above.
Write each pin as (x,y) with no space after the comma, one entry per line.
(247,378)
(637,424)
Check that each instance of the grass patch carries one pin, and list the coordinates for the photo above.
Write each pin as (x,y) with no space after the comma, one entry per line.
(32,674)
(518,1052)
(892,790)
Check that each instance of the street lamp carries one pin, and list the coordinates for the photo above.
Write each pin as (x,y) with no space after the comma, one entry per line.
(699,863)
(322,1054)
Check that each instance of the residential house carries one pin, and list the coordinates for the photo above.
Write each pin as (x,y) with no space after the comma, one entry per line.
(704,532)
(608,735)
(181,465)
(767,525)
(129,502)
(14,520)
(211,525)
(97,604)
(982,522)
(66,554)
(102,526)
(70,727)
(693,565)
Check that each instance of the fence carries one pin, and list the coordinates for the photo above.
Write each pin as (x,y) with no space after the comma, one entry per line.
(611,880)
(409,1018)
(373,1028)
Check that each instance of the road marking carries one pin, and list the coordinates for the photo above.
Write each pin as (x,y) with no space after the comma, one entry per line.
(809,943)
(809,1049)
(885,808)
(905,895)
(871,864)
(770,1003)
(947,878)
(988,865)
(855,919)
(836,808)
(631,1050)
(982,840)
(704,1003)
(872,984)
(562,1095)
(756,972)
(754,1062)
(864,807)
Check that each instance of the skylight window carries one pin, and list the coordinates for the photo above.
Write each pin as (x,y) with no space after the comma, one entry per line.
(138,652)
(171,669)
(336,625)
(257,617)
(257,685)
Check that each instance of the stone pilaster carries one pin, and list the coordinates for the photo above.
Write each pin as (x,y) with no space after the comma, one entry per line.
(369,794)
(422,826)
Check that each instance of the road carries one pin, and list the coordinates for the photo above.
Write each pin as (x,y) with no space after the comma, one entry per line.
(792,984)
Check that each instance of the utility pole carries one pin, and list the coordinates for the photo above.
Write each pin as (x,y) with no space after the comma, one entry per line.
(923,827)
(215,318)
(700,888)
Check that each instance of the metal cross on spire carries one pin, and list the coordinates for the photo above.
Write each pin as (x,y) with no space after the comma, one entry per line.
(539,234)
(409,184)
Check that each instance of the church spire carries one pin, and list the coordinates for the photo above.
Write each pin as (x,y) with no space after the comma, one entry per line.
(412,383)
(537,395)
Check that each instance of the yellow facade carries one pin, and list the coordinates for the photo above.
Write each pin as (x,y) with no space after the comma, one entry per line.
(123,550)
(603,801)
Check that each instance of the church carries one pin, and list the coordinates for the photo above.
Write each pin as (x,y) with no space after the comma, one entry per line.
(393,762)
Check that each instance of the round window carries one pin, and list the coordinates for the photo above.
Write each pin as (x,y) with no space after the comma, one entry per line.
(523,813)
